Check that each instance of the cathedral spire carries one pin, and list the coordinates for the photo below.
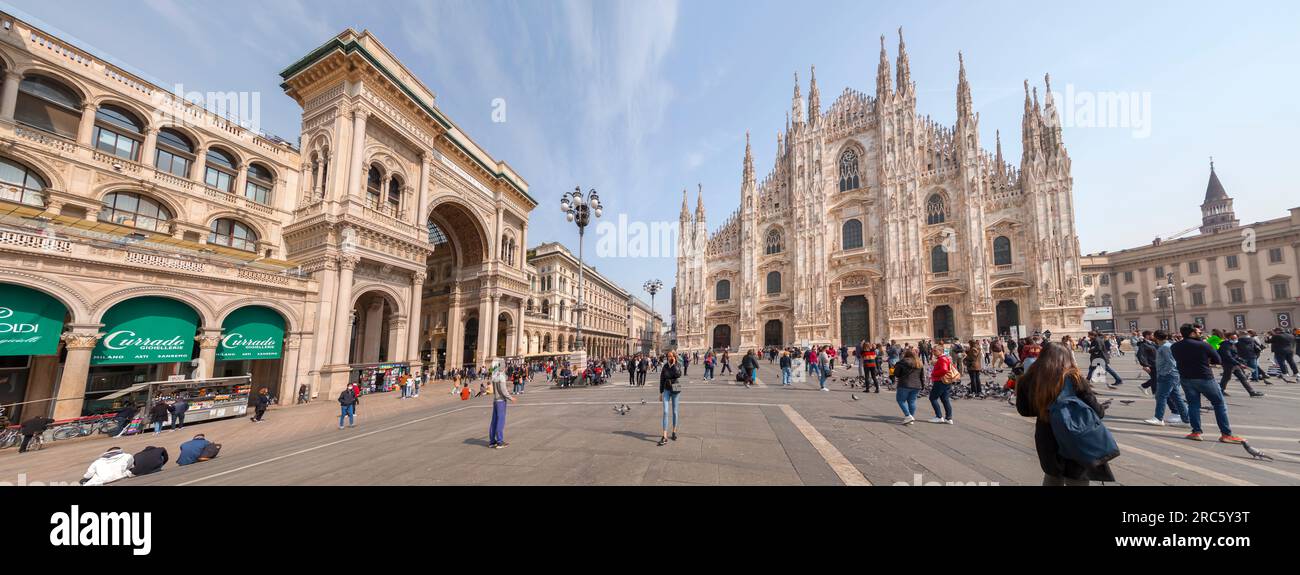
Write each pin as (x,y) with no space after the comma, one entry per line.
(748,174)
(796,104)
(964,106)
(1000,165)
(904,65)
(1052,118)
(883,88)
(686,214)
(1029,128)
(699,204)
(814,99)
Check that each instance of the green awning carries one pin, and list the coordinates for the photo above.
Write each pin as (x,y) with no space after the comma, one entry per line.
(253,332)
(146,330)
(30,321)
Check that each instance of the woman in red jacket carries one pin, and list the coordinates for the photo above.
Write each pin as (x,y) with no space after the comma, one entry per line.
(940,389)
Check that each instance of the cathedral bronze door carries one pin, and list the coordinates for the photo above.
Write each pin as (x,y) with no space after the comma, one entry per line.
(855,323)
(944,324)
(722,337)
(773,335)
(1008,316)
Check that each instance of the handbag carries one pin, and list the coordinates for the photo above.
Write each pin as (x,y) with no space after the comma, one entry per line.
(951,376)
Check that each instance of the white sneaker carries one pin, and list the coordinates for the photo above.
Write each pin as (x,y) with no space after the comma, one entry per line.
(1145,391)
(825,389)
(950,422)
(1155,422)
(938,420)
(908,420)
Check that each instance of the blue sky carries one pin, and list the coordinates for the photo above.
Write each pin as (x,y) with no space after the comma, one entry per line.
(643,99)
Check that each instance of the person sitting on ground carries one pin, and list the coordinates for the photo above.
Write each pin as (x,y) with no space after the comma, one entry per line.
(464,391)
(112,466)
(197,449)
(150,460)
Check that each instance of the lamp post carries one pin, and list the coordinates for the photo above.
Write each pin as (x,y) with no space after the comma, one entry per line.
(579,210)
(654,287)
(1169,290)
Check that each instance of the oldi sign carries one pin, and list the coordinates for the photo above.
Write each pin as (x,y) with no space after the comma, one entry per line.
(252,332)
(30,321)
(146,330)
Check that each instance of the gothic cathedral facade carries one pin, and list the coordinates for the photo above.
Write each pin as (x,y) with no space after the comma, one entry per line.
(877,223)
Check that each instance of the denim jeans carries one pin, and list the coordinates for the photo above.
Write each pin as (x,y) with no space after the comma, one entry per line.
(349,411)
(1256,374)
(670,397)
(941,391)
(708,372)
(907,400)
(497,429)
(1195,388)
(1284,360)
(785,376)
(821,377)
(1169,391)
(178,420)
(157,427)
(1106,364)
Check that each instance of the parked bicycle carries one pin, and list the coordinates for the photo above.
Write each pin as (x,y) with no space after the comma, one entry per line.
(88,426)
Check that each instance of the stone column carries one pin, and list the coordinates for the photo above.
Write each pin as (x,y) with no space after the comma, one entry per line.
(241,180)
(484,326)
(200,164)
(496,249)
(208,342)
(148,156)
(289,376)
(1215,298)
(79,342)
(357,171)
(421,208)
(523,246)
(455,333)
(343,310)
(374,321)
(320,350)
(397,339)
(9,94)
(521,343)
(416,327)
(86,130)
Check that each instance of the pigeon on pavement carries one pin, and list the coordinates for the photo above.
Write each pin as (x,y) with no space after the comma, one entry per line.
(1257,454)
(1127,401)
(854,396)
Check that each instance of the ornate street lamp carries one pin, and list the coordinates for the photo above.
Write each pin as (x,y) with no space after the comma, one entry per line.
(654,287)
(580,210)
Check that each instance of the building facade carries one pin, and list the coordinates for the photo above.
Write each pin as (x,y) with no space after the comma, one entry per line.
(1228,276)
(877,223)
(615,321)
(143,237)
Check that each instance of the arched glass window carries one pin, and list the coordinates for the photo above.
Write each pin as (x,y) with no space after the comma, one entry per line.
(848,170)
(722,291)
(118,132)
(851,235)
(21,185)
(436,235)
(220,171)
(230,233)
(260,182)
(774,241)
(773,283)
(394,194)
(1001,251)
(48,105)
(934,210)
(135,210)
(374,186)
(546,309)
(938,259)
(175,153)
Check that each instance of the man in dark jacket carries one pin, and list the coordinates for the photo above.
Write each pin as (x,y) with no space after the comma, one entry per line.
(749,368)
(124,416)
(31,428)
(1248,349)
(1233,365)
(151,460)
(1097,351)
(641,368)
(1194,358)
(192,451)
(1146,357)
(178,409)
(1282,344)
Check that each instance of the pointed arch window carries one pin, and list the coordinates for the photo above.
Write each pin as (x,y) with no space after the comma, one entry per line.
(1002,251)
(938,259)
(774,245)
(722,292)
(935,212)
(849,170)
(851,235)
(394,194)
(773,283)
(374,186)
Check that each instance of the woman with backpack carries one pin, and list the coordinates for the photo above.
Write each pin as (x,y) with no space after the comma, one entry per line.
(1036,391)
(669,390)
(348,407)
(910,375)
(942,377)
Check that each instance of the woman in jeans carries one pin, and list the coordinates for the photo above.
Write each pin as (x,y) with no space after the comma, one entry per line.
(910,375)
(940,390)
(667,381)
(974,365)
(1036,390)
